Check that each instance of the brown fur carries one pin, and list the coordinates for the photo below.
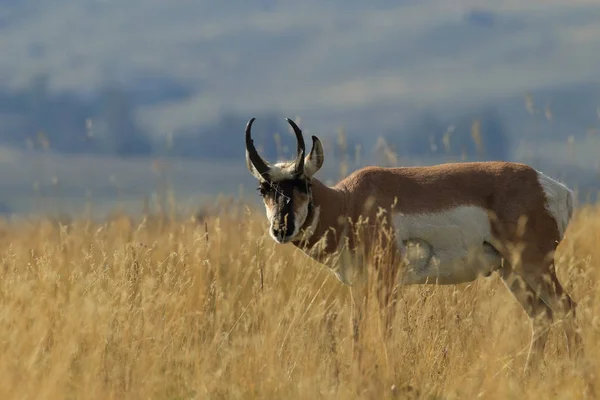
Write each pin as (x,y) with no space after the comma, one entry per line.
(509,191)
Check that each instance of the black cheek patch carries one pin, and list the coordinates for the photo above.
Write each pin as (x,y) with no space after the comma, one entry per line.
(300,185)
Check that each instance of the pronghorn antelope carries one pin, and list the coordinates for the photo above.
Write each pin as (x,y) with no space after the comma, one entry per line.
(447,224)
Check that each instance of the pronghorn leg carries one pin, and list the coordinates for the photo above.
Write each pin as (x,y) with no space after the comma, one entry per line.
(386,295)
(563,306)
(389,303)
(358,297)
(539,313)
(545,299)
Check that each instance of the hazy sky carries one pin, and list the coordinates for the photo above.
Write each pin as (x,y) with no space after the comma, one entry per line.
(314,60)
(301,58)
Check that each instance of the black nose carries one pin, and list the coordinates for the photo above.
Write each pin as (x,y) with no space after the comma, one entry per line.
(278,233)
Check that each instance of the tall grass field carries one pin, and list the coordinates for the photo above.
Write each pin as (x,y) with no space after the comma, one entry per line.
(205,305)
(210,307)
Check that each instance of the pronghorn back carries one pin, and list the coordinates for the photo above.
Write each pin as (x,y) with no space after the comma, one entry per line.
(465,211)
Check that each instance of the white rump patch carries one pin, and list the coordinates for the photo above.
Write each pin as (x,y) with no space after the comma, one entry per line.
(559,201)
(453,245)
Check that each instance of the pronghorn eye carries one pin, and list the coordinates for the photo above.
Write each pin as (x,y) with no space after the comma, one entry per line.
(262,191)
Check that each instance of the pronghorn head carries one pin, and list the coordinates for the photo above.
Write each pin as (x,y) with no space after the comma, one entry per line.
(285,186)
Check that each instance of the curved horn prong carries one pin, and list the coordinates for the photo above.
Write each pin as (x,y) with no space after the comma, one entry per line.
(299,168)
(252,155)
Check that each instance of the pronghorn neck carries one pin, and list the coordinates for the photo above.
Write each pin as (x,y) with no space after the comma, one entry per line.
(327,212)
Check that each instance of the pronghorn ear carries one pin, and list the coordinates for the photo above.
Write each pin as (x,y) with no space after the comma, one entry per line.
(314,160)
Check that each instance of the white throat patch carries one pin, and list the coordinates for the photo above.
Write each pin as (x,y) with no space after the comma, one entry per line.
(307,234)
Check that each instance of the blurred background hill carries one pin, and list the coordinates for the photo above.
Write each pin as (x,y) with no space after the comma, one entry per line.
(99,97)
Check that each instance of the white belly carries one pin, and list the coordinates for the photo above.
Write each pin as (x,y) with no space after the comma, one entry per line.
(454,246)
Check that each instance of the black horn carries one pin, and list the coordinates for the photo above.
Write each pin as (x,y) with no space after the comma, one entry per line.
(299,168)
(256,160)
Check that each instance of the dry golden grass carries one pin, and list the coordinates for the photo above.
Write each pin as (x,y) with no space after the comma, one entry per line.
(216,310)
